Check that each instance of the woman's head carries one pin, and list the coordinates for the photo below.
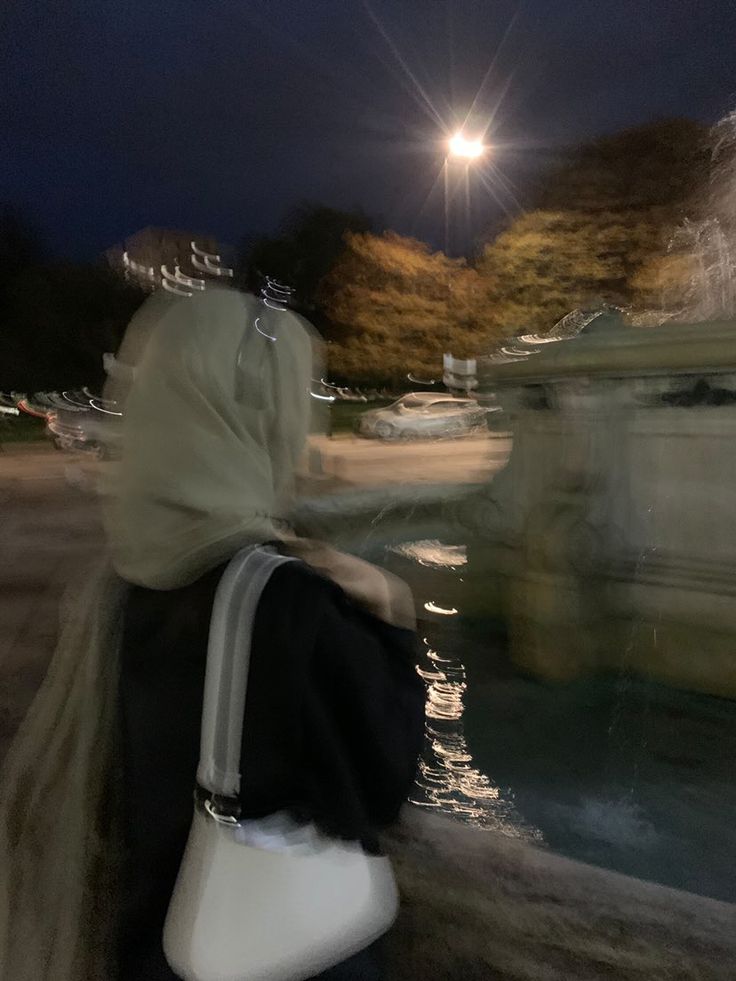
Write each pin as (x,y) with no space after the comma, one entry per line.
(214,425)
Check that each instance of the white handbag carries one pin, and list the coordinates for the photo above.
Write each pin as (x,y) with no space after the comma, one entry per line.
(261,900)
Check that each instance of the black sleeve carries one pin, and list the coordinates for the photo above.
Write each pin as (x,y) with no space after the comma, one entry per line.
(335,709)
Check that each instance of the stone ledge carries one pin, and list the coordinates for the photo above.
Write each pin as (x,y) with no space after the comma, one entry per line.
(620,351)
(481,907)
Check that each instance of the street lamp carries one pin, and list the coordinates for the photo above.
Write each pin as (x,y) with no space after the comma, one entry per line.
(464,151)
(461,146)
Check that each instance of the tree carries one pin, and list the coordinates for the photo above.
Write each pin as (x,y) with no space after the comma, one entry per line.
(20,248)
(606,212)
(660,164)
(309,242)
(58,320)
(395,307)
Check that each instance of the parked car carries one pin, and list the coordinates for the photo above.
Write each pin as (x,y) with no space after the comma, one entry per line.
(424,415)
(81,422)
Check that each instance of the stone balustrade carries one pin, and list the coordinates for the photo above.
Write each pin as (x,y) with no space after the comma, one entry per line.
(613,527)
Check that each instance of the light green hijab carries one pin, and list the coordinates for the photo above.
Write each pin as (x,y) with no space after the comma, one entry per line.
(215,420)
(214,426)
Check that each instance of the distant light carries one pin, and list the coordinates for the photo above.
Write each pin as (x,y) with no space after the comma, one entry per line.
(270,337)
(210,264)
(204,255)
(179,277)
(108,412)
(173,289)
(24,406)
(460,146)
(433,608)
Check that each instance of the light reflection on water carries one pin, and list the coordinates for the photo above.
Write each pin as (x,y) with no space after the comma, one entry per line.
(617,771)
(432,553)
(431,607)
(447,780)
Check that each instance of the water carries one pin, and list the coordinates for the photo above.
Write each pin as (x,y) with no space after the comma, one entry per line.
(618,772)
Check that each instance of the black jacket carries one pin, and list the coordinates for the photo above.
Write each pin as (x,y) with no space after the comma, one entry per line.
(333,725)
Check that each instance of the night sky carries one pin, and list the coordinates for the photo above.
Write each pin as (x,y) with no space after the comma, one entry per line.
(218,116)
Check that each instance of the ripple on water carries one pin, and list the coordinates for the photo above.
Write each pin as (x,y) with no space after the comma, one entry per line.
(619,822)
(447,780)
(432,553)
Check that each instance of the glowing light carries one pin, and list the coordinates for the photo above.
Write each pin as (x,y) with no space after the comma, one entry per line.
(174,289)
(432,553)
(199,265)
(73,403)
(215,269)
(275,295)
(197,284)
(25,407)
(99,408)
(461,146)
(209,266)
(433,608)
(176,283)
(447,780)
(272,306)
(274,284)
(203,255)
(9,410)
(322,398)
(262,332)
(136,267)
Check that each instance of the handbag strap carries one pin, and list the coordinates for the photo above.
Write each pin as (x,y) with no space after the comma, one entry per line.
(228,659)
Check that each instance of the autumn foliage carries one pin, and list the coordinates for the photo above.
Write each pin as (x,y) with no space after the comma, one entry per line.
(600,232)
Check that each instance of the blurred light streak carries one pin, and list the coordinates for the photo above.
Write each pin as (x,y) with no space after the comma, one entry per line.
(99,408)
(269,337)
(433,608)
(432,553)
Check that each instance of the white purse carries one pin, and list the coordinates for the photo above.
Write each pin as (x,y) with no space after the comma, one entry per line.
(261,900)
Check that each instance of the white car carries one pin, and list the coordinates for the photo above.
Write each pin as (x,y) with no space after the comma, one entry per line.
(425,415)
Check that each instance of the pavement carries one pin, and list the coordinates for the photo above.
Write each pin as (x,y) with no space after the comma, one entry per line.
(49,530)
(371,463)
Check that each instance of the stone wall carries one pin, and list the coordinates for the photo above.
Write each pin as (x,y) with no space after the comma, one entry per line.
(613,528)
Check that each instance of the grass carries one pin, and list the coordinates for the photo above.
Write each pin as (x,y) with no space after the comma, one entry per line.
(25,428)
(21,429)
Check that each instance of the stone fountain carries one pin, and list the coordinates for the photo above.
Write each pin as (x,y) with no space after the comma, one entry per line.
(612,530)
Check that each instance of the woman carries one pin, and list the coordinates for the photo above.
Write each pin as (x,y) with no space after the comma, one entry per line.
(215,424)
